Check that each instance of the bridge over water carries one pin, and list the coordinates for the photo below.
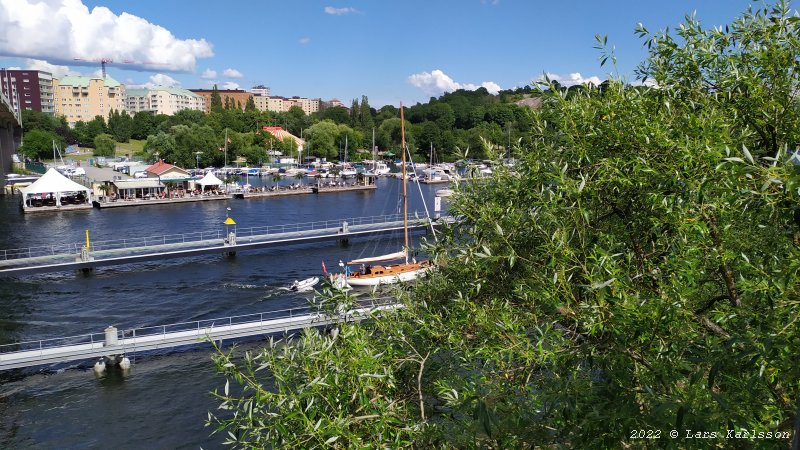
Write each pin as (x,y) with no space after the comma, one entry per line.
(76,256)
(10,135)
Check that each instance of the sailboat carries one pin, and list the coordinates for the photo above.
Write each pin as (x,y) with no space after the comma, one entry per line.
(373,275)
(347,170)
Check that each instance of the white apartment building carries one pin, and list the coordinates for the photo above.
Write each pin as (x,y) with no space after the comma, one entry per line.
(162,100)
(283,104)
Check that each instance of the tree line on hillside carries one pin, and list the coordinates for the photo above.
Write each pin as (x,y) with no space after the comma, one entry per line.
(632,282)
(462,124)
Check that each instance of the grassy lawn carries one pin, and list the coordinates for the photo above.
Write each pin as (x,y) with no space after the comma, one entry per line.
(123,149)
(129,148)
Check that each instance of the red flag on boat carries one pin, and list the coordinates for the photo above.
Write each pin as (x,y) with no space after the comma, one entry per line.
(324,270)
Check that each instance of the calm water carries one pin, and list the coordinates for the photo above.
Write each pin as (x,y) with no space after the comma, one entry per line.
(164,400)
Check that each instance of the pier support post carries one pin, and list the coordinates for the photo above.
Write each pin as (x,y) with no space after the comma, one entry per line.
(230,241)
(84,256)
(344,232)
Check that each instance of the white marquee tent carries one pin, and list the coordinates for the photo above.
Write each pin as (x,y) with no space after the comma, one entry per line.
(53,186)
(209,180)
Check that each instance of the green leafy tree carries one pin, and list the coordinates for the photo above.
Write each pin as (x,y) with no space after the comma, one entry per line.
(354,113)
(159,146)
(639,269)
(365,121)
(94,128)
(143,125)
(104,145)
(216,100)
(250,105)
(322,138)
(38,144)
(120,125)
(35,120)
(337,114)
(388,135)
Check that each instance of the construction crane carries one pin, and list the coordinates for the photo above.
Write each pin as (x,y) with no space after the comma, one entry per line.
(104,61)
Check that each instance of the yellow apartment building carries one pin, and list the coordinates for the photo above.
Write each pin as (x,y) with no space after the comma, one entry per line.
(83,98)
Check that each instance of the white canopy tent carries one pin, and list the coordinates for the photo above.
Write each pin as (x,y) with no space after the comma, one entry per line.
(51,187)
(209,180)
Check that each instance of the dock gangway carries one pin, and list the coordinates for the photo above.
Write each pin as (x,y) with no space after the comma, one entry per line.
(75,256)
(138,340)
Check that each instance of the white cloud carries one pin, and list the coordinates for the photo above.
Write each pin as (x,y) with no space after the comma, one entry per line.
(62,30)
(209,74)
(158,79)
(571,79)
(437,82)
(164,80)
(57,71)
(339,11)
(230,85)
(304,40)
(232,73)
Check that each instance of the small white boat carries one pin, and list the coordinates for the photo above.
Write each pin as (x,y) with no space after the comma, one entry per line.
(445,193)
(304,285)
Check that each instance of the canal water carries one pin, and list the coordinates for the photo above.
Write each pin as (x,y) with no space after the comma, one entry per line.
(164,400)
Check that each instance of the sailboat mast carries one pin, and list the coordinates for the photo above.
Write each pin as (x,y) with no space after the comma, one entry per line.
(226,149)
(405,194)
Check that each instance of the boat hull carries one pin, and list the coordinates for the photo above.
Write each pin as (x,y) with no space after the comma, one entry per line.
(391,278)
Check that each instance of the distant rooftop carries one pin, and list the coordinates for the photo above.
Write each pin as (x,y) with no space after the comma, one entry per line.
(141,92)
(84,81)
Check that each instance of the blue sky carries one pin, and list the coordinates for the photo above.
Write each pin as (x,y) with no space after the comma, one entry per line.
(391,51)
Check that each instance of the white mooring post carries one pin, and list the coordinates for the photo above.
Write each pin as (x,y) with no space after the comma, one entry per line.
(111,336)
(437,207)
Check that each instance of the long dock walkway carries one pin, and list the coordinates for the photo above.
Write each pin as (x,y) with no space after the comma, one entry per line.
(64,257)
(115,343)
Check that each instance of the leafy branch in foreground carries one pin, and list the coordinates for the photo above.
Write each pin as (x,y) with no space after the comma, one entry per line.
(638,270)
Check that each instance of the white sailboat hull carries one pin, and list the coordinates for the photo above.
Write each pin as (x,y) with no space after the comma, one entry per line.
(388,279)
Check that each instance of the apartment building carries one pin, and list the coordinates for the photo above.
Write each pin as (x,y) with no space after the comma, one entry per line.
(28,89)
(283,104)
(83,98)
(162,100)
(261,90)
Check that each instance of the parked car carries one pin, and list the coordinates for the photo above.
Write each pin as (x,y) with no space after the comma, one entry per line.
(78,171)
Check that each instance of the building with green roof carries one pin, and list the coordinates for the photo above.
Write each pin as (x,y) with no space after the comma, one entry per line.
(83,98)
(162,100)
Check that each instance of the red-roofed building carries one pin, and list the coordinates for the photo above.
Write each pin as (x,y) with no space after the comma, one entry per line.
(165,172)
(280,134)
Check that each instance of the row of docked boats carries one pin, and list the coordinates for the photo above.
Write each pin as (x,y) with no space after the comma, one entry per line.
(320,170)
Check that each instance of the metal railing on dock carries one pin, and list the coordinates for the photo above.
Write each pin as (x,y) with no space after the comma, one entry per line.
(200,237)
(92,345)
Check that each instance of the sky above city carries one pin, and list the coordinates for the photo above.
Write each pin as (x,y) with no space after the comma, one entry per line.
(390,51)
